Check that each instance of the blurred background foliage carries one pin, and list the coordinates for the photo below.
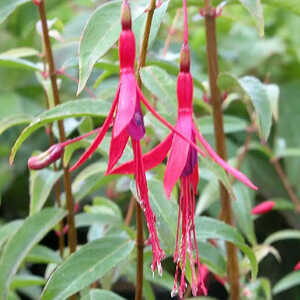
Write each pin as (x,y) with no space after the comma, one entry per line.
(274,59)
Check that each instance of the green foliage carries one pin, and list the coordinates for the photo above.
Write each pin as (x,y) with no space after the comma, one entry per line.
(259,62)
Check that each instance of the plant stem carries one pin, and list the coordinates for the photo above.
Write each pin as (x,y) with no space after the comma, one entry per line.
(61,239)
(212,58)
(72,235)
(139,216)
(130,210)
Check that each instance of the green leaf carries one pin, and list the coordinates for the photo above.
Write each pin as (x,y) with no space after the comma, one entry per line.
(255,8)
(41,184)
(100,34)
(159,82)
(85,266)
(219,172)
(208,228)
(14,120)
(20,52)
(292,5)
(7,7)
(273,93)
(96,294)
(42,254)
(89,180)
(231,124)
(282,235)
(242,209)
(208,196)
(70,109)
(17,248)
(166,215)
(20,281)
(287,282)
(140,23)
(8,230)
(19,63)
(253,90)
(212,257)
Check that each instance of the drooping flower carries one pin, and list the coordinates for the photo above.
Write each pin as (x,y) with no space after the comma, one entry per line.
(263,208)
(182,165)
(126,119)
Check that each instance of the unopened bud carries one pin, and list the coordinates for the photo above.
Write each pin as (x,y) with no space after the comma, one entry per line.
(297,267)
(46,158)
(185,59)
(125,16)
(263,208)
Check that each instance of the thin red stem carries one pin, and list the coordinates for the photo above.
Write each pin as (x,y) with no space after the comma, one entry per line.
(186,28)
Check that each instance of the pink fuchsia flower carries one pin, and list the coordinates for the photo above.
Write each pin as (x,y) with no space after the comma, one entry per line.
(182,165)
(127,121)
(263,208)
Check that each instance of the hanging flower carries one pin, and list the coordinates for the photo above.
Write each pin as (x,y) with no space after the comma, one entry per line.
(126,119)
(182,165)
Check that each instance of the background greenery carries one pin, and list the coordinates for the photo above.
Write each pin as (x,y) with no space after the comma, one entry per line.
(274,59)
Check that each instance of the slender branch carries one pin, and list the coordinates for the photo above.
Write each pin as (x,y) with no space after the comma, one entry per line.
(139,217)
(211,50)
(284,179)
(57,189)
(130,210)
(72,235)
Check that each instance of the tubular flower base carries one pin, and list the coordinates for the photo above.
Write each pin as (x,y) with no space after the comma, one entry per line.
(182,165)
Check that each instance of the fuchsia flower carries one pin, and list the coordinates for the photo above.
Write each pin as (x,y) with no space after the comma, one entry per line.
(263,208)
(127,121)
(182,165)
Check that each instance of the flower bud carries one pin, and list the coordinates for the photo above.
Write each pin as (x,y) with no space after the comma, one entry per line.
(263,208)
(125,16)
(185,59)
(46,158)
(297,267)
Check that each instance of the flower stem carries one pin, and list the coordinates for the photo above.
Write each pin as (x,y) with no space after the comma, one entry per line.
(72,235)
(212,58)
(139,216)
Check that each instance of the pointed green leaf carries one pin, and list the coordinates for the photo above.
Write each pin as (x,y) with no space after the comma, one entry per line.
(76,108)
(159,82)
(17,248)
(255,8)
(85,266)
(287,282)
(208,228)
(8,230)
(292,5)
(282,235)
(12,121)
(96,294)
(100,34)
(20,52)
(41,184)
(42,254)
(20,281)
(242,210)
(253,90)
(7,7)
(19,63)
